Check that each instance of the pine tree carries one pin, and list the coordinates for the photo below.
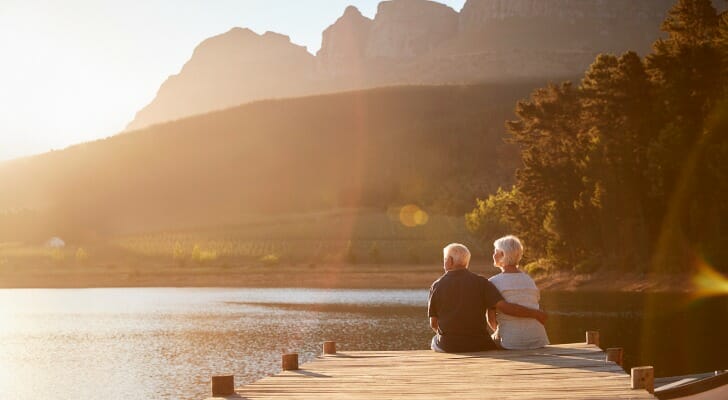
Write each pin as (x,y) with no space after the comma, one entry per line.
(691,22)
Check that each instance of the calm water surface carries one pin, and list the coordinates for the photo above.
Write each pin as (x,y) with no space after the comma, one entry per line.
(154,343)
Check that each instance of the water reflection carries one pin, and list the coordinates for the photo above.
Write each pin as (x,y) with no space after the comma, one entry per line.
(166,343)
(674,333)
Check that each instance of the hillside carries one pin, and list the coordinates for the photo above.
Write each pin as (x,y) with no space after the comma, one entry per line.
(438,146)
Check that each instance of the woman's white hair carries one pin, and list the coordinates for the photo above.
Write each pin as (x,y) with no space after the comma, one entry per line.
(459,253)
(512,249)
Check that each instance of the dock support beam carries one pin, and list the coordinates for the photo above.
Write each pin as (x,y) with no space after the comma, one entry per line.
(222,385)
(329,347)
(615,354)
(592,337)
(643,378)
(290,361)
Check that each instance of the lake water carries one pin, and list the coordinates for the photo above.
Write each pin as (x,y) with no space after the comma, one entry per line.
(165,343)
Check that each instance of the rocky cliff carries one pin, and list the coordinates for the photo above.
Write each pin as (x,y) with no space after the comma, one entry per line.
(343,45)
(229,69)
(594,25)
(405,29)
(410,42)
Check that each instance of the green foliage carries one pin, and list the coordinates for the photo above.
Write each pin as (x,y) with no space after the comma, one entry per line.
(691,22)
(539,267)
(57,255)
(631,164)
(270,259)
(200,256)
(489,220)
(322,237)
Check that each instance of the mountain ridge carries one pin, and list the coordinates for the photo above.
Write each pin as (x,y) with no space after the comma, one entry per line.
(412,42)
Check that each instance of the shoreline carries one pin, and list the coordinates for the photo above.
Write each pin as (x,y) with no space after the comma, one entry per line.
(329,276)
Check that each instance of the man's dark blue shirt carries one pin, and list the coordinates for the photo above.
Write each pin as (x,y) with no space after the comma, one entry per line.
(459,299)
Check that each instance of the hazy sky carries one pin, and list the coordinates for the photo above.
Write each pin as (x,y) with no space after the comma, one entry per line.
(77,70)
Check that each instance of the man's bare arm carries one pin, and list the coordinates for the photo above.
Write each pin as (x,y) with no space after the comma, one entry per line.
(492,321)
(520,311)
(433,324)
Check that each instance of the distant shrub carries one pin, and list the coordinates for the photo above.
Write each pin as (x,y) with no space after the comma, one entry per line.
(539,267)
(178,253)
(57,255)
(489,219)
(270,259)
(208,255)
(200,256)
(81,255)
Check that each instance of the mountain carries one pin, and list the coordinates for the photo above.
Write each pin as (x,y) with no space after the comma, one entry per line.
(229,69)
(436,146)
(409,42)
(343,46)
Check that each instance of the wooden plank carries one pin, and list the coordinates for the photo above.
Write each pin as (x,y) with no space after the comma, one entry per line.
(555,372)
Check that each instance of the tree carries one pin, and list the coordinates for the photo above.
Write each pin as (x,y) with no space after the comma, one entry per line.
(721,42)
(691,22)
(549,136)
(686,70)
(632,162)
(491,218)
(617,109)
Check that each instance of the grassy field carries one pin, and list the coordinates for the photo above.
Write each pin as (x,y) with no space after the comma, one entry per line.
(398,248)
(349,236)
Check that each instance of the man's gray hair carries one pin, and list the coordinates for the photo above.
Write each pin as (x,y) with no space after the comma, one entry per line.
(512,249)
(459,253)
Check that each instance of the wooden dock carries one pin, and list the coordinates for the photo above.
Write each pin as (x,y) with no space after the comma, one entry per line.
(573,371)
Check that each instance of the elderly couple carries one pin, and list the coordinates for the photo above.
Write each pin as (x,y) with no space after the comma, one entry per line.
(461,303)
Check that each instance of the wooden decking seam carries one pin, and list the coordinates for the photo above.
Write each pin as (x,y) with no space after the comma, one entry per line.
(574,370)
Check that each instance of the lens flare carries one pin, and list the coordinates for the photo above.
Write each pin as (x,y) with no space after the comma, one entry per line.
(708,282)
(412,216)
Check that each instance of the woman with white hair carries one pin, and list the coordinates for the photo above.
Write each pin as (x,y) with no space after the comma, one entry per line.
(516,287)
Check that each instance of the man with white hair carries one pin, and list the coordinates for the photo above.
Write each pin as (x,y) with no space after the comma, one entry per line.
(458,303)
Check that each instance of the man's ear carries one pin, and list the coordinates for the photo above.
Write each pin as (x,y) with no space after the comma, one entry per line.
(449,262)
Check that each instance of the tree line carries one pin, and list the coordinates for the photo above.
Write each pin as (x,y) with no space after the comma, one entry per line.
(628,168)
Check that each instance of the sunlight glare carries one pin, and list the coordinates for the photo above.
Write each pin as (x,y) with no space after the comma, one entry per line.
(708,282)
(412,216)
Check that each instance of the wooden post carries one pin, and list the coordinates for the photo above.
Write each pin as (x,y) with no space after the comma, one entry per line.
(223,385)
(615,354)
(290,361)
(592,337)
(329,347)
(643,378)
